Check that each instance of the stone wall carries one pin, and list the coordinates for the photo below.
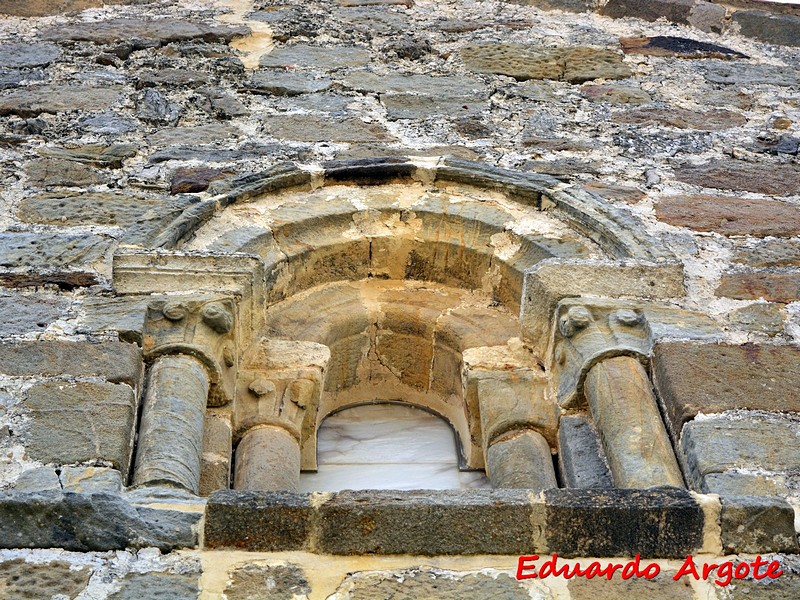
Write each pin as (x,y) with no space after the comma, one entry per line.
(590,205)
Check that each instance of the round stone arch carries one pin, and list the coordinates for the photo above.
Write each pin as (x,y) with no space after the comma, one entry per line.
(399,268)
(398,280)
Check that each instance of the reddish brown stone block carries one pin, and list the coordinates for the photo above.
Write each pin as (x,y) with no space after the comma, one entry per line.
(776,179)
(712,378)
(782,286)
(730,216)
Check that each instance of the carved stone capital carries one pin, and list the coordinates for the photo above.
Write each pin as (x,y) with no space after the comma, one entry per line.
(202,326)
(589,330)
(281,383)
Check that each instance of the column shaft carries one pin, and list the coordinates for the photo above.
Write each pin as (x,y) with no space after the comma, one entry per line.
(171,432)
(521,461)
(267,459)
(626,414)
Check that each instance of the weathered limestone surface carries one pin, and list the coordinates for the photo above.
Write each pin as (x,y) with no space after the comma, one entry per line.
(623,406)
(757,524)
(92,422)
(714,378)
(115,361)
(87,522)
(171,431)
(739,441)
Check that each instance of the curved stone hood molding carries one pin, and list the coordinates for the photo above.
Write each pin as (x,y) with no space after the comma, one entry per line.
(615,230)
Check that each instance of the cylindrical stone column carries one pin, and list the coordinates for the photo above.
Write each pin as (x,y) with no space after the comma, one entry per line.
(267,459)
(170,444)
(522,460)
(626,414)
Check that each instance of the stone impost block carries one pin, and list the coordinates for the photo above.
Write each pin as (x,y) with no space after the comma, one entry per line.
(521,460)
(429,523)
(281,384)
(90,522)
(581,458)
(756,525)
(663,522)
(114,361)
(259,521)
(81,422)
(693,378)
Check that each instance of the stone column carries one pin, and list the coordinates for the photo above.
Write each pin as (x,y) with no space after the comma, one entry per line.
(625,411)
(521,460)
(267,459)
(171,432)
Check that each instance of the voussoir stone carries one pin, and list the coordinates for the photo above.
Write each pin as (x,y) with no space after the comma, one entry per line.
(144,33)
(730,215)
(712,378)
(522,62)
(81,422)
(53,99)
(775,179)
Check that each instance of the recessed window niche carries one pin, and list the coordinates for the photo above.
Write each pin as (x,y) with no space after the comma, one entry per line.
(390,447)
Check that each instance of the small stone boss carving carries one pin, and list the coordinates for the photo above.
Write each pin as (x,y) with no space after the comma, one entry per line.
(725,571)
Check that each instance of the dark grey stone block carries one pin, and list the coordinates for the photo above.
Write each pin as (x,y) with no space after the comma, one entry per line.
(259,521)
(756,525)
(581,458)
(656,523)
(89,522)
(430,523)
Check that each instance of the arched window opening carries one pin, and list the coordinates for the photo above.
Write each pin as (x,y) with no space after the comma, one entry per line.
(390,447)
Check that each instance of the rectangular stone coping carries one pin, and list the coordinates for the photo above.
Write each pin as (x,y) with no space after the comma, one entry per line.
(656,523)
